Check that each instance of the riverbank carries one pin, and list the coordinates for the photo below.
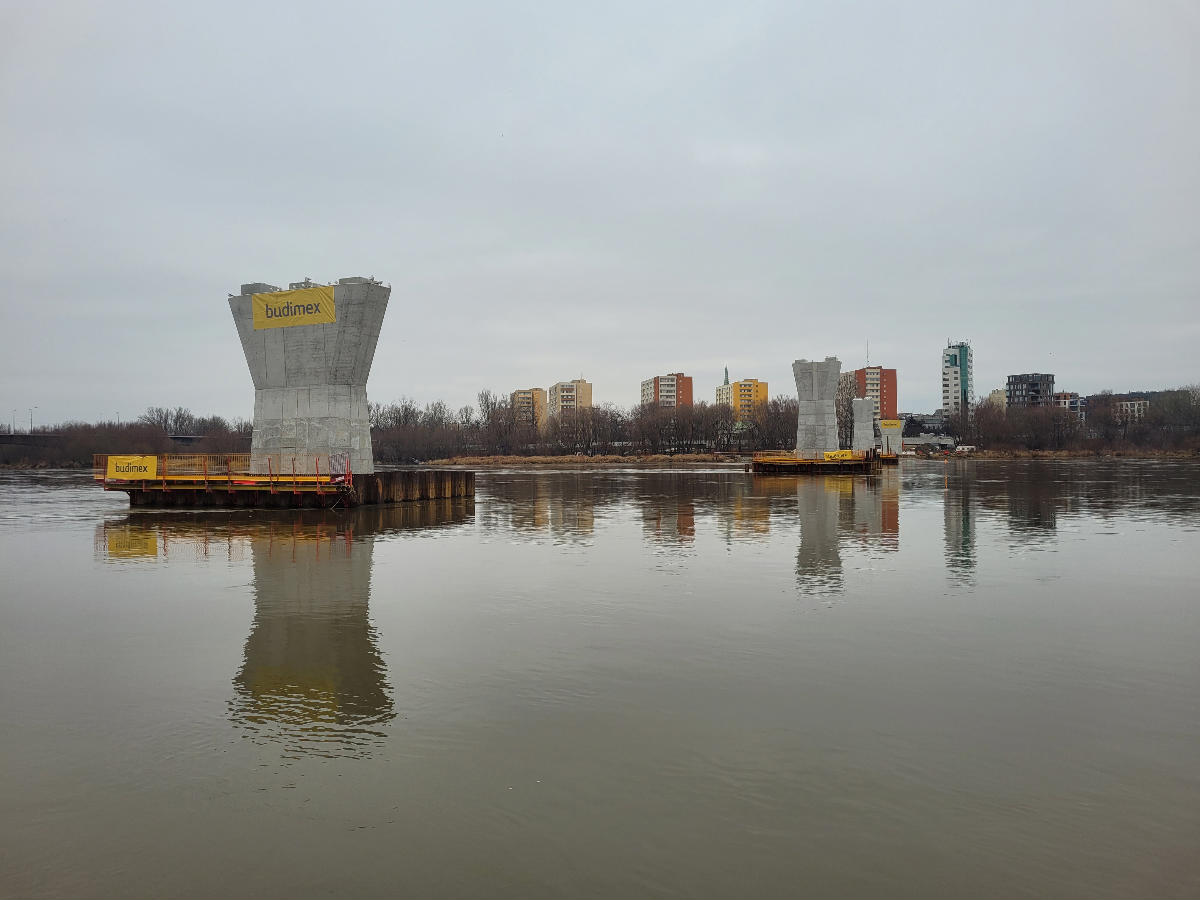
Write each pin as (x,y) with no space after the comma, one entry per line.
(1076,454)
(691,460)
(660,460)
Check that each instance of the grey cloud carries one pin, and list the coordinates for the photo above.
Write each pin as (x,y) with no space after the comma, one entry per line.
(557,189)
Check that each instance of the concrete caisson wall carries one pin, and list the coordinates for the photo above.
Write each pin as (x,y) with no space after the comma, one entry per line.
(863,435)
(816,390)
(310,380)
(890,437)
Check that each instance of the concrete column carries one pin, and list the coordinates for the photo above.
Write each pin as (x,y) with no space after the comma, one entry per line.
(816,390)
(863,435)
(310,380)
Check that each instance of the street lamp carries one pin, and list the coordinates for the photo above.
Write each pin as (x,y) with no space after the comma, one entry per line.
(31,409)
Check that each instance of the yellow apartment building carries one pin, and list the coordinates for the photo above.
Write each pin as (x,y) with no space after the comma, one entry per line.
(742,395)
(530,405)
(568,395)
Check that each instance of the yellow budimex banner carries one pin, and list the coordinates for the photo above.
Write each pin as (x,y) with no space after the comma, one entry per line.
(839,454)
(306,306)
(131,468)
(130,543)
(891,423)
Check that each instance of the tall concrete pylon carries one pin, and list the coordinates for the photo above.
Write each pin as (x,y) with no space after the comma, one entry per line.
(309,350)
(816,392)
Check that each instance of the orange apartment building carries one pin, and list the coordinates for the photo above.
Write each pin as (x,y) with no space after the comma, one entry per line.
(668,390)
(879,384)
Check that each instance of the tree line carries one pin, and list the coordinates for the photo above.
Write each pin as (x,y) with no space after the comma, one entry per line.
(73,444)
(1171,422)
(403,431)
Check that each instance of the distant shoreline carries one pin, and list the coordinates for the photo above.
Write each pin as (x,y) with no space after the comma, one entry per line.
(681,460)
(693,460)
(1070,454)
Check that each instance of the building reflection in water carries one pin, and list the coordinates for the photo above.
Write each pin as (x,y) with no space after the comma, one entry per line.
(959,515)
(560,506)
(1033,502)
(312,680)
(1030,495)
(669,517)
(744,506)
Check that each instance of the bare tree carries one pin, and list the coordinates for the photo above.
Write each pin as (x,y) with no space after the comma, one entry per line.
(843,404)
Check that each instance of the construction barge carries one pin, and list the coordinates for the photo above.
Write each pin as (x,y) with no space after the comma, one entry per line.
(271,482)
(831,462)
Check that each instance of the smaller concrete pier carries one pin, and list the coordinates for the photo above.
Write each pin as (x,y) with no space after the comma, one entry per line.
(834,462)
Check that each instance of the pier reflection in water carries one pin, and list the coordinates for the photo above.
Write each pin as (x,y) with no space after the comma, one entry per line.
(862,512)
(312,680)
(824,514)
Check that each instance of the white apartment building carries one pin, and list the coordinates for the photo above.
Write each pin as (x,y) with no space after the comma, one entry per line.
(958,379)
(1131,410)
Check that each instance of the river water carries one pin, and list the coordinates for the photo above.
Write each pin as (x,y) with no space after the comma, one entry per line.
(954,680)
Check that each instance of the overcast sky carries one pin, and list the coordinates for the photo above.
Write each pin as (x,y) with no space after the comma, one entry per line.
(613,191)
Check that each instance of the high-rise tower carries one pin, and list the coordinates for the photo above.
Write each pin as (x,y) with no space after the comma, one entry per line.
(958,379)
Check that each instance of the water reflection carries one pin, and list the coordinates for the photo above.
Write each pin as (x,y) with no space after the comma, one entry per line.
(959,514)
(561,506)
(745,506)
(863,513)
(819,558)
(668,507)
(312,679)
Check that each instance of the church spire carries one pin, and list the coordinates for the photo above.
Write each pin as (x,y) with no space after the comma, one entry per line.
(727,374)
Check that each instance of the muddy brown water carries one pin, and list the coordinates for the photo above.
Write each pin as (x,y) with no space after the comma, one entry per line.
(968,680)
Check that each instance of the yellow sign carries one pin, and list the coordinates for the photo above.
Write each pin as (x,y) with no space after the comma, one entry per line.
(306,306)
(131,468)
(891,423)
(839,454)
(131,543)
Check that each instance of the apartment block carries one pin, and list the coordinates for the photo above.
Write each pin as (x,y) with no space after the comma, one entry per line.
(1072,402)
(958,379)
(1130,409)
(878,385)
(743,396)
(530,406)
(668,390)
(1031,390)
(569,395)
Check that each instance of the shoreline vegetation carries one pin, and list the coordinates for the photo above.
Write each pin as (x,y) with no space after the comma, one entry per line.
(498,433)
(695,460)
(664,460)
(682,460)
